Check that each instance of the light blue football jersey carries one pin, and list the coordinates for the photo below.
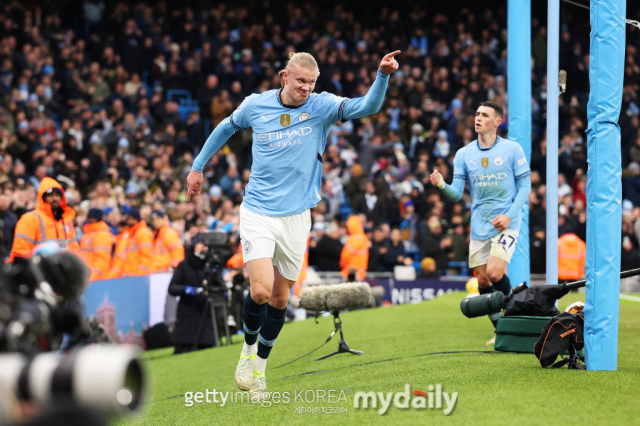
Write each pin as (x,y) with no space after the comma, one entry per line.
(288,143)
(492,174)
(287,150)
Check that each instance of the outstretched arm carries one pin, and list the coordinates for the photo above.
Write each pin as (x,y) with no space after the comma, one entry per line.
(372,101)
(238,120)
(453,191)
(217,138)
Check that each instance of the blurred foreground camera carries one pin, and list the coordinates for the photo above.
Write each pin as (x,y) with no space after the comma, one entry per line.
(107,379)
(41,312)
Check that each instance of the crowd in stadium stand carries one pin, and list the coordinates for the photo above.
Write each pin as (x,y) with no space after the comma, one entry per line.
(114,100)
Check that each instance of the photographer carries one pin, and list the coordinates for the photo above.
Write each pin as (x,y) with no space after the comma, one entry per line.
(187,282)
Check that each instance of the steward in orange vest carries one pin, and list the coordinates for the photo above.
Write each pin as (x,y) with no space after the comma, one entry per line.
(138,260)
(96,245)
(355,253)
(119,252)
(168,250)
(572,254)
(52,220)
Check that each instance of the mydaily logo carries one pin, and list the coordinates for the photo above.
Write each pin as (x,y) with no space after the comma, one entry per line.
(433,399)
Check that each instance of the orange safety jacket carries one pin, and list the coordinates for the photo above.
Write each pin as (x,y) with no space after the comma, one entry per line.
(119,255)
(168,250)
(40,226)
(236,261)
(138,259)
(572,254)
(95,248)
(355,253)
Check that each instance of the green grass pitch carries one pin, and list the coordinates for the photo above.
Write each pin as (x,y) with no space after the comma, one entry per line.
(493,389)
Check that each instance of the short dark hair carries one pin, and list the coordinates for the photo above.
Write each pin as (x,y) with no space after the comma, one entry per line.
(496,107)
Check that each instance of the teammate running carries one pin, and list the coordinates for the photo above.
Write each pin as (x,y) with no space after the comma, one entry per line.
(498,176)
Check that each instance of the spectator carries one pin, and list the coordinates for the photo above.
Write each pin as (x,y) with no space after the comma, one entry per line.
(428,269)
(167,247)
(378,251)
(354,257)
(96,245)
(538,251)
(9,221)
(396,253)
(52,220)
(328,249)
(435,244)
(572,254)
(139,246)
(121,240)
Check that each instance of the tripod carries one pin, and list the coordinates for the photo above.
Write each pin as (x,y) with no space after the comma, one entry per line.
(343,346)
(210,306)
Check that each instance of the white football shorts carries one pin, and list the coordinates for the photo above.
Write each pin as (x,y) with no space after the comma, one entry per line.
(501,246)
(283,239)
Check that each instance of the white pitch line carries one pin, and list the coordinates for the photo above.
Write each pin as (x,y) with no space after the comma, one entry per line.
(632,298)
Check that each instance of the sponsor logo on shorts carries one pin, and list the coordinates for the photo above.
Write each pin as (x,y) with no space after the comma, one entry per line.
(247,247)
(498,161)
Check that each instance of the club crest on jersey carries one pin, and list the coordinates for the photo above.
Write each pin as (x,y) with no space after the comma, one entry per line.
(303,116)
(485,162)
(285,120)
(498,161)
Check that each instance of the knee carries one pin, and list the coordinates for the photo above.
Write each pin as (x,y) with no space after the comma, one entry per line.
(494,274)
(483,281)
(279,302)
(260,293)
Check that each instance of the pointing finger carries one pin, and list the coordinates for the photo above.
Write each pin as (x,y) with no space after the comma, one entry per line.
(391,55)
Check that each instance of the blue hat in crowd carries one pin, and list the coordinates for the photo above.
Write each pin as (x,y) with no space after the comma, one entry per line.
(131,188)
(134,213)
(195,240)
(157,213)
(95,213)
(123,142)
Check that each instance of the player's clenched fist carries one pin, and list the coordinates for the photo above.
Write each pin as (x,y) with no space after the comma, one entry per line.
(389,65)
(437,179)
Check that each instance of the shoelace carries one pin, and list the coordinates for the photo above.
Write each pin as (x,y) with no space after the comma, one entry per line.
(262,383)
(245,364)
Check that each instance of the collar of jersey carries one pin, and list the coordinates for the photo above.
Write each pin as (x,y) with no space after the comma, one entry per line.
(481,148)
(289,106)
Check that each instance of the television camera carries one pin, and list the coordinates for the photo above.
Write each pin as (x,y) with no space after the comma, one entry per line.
(49,356)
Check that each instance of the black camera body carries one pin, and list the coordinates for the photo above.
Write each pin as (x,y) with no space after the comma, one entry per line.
(218,253)
(41,312)
(38,305)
